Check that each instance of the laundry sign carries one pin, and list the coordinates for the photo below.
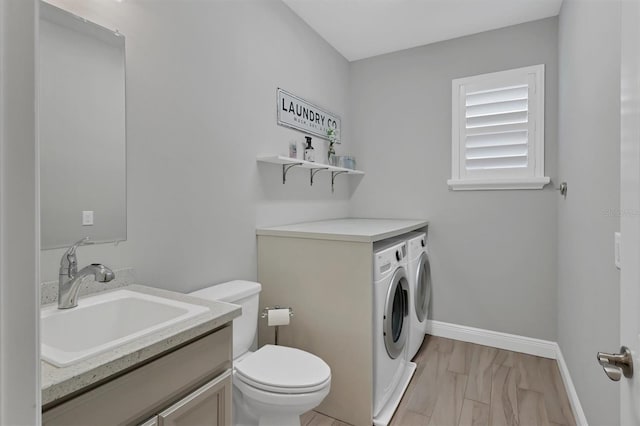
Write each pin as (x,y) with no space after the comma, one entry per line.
(296,113)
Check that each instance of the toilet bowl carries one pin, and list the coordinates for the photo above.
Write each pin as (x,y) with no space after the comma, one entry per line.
(277,384)
(274,385)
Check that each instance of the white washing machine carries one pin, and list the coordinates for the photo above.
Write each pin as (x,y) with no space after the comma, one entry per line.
(392,371)
(419,271)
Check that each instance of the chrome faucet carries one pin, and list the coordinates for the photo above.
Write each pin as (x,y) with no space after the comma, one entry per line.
(69,279)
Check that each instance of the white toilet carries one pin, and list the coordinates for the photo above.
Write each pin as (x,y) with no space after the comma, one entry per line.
(274,385)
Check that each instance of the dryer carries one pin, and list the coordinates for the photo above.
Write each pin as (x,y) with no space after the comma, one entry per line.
(419,271)
(392,371)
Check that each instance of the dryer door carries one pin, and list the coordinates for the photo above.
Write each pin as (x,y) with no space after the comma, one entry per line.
(396,314)
(423,287)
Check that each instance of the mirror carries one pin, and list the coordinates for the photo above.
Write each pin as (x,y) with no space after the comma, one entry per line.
(82,130)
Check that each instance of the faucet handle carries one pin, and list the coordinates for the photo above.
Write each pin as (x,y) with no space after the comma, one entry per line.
(83,242)
(69,263)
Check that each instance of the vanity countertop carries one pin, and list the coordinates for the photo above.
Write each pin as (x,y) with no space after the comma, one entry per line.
(349,229)
(57,383)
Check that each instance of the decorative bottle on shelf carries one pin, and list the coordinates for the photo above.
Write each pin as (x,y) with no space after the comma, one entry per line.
(308,150)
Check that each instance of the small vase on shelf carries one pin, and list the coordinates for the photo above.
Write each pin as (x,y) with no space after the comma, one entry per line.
(332,136)
(331,154)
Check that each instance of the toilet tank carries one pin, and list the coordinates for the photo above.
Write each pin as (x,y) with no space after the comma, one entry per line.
(243,293)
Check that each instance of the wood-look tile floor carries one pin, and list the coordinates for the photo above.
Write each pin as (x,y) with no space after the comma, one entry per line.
(459,383)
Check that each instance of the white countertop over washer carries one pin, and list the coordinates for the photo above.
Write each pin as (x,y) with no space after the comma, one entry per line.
(349,229)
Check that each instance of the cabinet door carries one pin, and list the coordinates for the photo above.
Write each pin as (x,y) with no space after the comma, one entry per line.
(210,405)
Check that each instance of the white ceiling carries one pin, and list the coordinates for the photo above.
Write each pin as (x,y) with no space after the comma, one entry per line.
(363,28)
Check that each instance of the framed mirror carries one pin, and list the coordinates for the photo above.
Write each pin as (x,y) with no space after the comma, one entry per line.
(82,130)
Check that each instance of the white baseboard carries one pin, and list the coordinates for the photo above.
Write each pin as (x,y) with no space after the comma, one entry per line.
(496,339)
(515,343)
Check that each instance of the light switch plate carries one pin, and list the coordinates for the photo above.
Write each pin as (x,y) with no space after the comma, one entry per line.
(616,249)
(87,217)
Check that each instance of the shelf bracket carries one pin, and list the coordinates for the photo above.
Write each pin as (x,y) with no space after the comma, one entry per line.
(315,170)
(333,179)
(286,168)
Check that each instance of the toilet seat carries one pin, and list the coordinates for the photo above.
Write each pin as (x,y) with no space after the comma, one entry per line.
(284,370)
(281,400)
(282,390)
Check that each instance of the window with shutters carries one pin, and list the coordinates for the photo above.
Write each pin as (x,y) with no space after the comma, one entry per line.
(498,130)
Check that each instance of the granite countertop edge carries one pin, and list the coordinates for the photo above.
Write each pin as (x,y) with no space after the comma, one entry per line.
(59,382)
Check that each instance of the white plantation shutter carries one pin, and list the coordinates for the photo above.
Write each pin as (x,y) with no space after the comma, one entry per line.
(498,130)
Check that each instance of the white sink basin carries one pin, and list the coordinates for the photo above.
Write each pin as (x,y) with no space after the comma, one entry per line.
(104,321)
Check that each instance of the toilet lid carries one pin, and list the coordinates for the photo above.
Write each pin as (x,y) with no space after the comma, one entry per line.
(280,368)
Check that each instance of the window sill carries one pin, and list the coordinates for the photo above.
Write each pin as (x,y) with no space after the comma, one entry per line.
(497,184)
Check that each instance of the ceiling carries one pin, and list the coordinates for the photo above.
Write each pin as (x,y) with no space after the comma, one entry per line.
(363,28)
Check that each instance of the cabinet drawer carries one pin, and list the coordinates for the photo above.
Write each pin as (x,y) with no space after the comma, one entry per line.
(145,391)
(208,406)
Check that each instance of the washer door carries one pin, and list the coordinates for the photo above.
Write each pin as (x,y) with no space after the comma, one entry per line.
(423,287)
(396,311)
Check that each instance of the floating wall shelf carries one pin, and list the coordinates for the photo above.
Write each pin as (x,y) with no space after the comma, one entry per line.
(288,163)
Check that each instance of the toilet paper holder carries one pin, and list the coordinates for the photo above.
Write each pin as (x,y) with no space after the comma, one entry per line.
(265,314)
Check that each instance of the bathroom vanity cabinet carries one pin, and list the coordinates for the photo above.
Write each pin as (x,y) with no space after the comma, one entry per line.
(189,385)
(324,272)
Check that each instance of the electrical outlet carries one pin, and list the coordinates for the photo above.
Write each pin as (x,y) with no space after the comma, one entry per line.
(87,218)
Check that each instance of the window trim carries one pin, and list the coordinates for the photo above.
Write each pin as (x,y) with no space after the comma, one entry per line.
(494,181)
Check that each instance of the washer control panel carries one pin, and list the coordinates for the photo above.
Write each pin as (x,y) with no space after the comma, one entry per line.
(417,245)
(387,260)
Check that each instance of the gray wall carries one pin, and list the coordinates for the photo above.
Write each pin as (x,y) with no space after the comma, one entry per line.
(493,252)
(589,160)
(201,90)
(19,301)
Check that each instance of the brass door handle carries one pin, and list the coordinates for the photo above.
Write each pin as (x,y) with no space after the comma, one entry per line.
(615,365)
